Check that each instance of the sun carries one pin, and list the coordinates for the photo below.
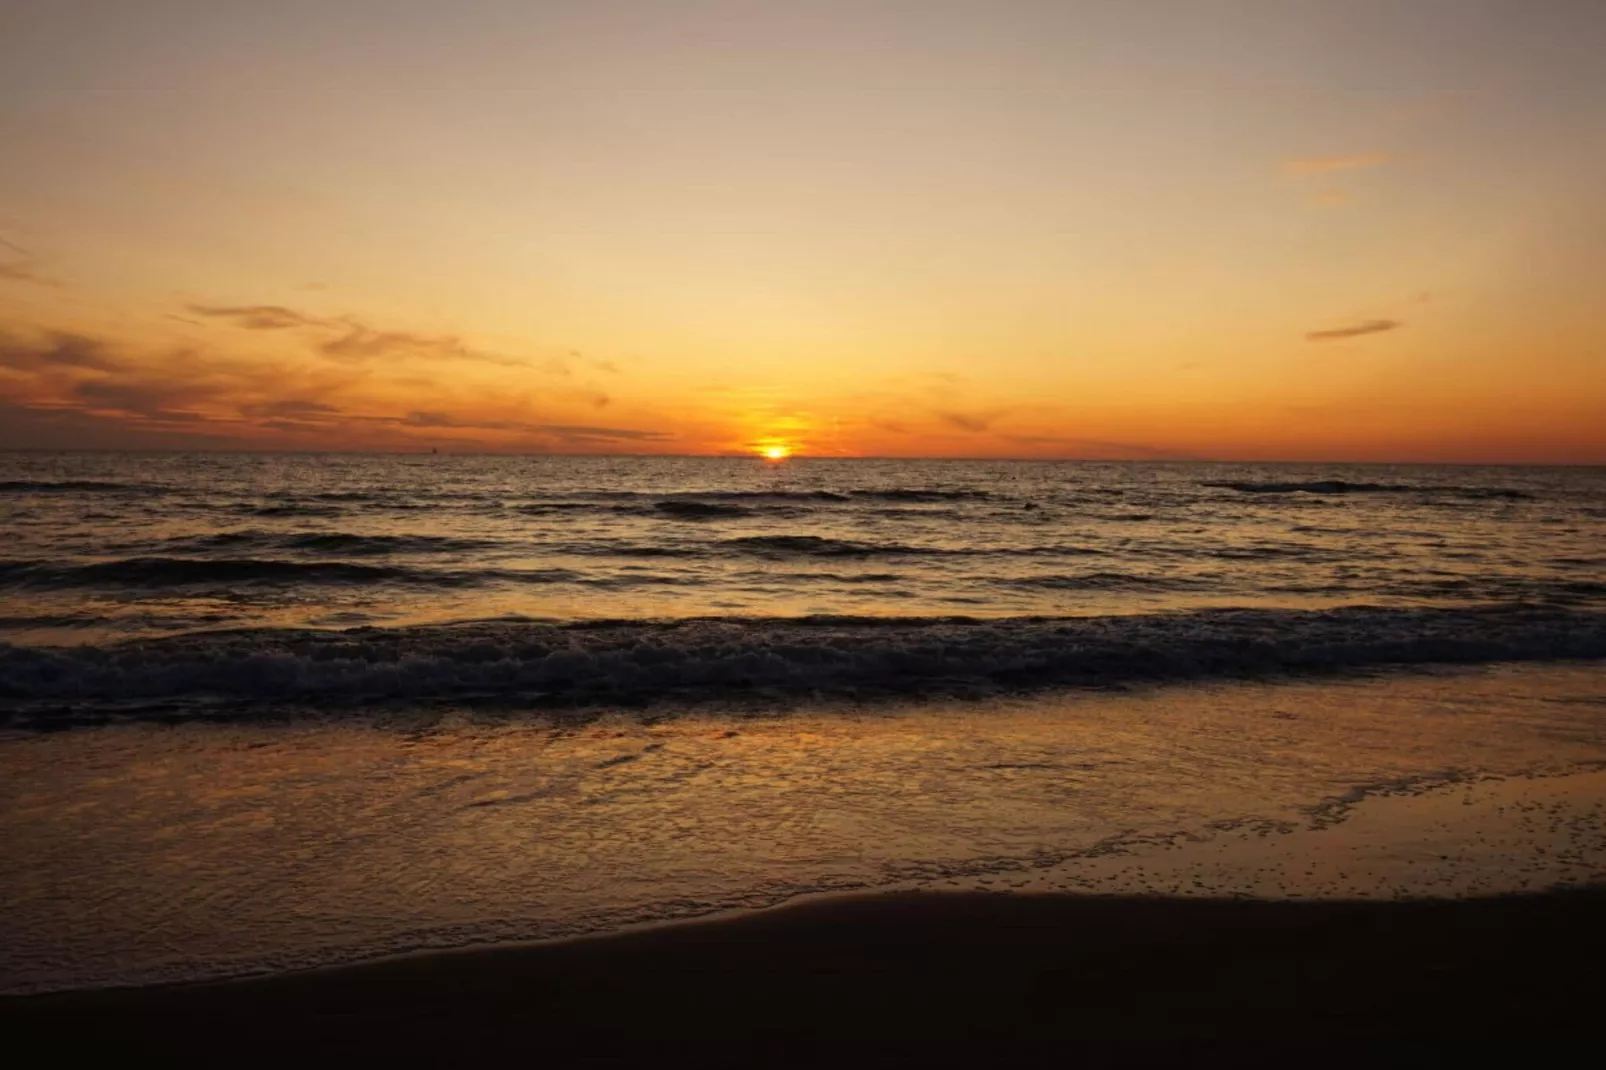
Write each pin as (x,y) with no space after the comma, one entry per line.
(776,453)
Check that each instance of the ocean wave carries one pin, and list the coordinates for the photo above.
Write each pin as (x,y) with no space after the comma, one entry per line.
(695,510)
(1340,486)
(159,572)
(771,662)
(542,508)
(292,510)
(896,495)
(786,496)
(1101,581)
(74,486)
(819,546)
(624,549)
(780,497)
(772,578)
(183,571)
(332,542)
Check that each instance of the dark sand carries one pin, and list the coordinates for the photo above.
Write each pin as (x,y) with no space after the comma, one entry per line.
(973,979)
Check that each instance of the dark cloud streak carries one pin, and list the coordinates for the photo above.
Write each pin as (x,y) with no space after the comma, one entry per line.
(57,349)
(1353,331)
(259,317)
(973,422)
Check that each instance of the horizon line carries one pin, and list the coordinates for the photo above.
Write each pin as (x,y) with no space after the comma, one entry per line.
(742,456)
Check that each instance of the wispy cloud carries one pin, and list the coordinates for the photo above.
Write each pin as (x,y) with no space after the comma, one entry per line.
(562,431)
(63,380)
(354,341)
(259,317)
(973,422)
(1354,330)
(612,434)
(291,408)
(25,269)
(1321,165)
(1100,448)
(28,273)
(359,343)
(57,349)
(148,398)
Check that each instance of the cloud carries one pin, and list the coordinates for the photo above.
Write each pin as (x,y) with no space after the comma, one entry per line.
(360,342)
(1321,165)
(596,363)
(151,398)
(355,342)
(615,434)
(259,317)
(51,427)
(25,273)
(293,408)
(973,422)
(1353,331)
(562,431)
(56,349)
(60,380)
(1102,448)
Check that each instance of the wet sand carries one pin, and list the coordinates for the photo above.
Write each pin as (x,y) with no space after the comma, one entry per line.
(1483,836)
(1399,925)
(937,977)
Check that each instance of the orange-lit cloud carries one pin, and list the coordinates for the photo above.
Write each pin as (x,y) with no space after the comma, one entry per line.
(61,384)
(352,340)
(974,422)
(1320,165)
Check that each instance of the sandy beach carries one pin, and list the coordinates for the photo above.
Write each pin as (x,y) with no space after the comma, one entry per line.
(935,977)
(1412,927)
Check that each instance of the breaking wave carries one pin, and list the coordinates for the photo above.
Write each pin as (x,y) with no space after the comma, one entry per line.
(773,662)
(693,510)
(74,486)
(819,546)
(1340,486)
(186,572)
(332,542)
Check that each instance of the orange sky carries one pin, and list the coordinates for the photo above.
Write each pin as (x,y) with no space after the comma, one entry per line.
(1287,230)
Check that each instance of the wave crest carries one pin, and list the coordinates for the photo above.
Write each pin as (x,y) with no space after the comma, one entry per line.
(1340,486)
(534,664)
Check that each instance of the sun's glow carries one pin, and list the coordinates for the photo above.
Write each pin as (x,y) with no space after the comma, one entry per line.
(776,453)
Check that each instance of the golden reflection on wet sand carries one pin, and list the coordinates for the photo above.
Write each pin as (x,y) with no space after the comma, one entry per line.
(142,852)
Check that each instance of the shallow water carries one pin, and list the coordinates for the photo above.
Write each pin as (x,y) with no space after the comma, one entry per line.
(143,852)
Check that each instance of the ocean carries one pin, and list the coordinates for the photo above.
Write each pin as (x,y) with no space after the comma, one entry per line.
(267,711)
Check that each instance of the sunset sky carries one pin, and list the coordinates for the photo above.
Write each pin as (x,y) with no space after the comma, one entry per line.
(1337,230)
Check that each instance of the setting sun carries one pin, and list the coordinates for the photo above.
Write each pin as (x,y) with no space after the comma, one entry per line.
(776,453)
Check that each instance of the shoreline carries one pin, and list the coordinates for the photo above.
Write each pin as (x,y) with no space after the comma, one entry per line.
(1024,807)
(1053,967)
(1111,979)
